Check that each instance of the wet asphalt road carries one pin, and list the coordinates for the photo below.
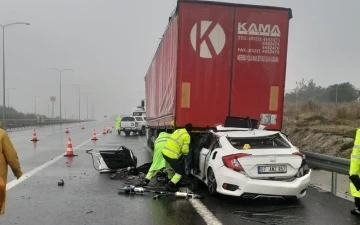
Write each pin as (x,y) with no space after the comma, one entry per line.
(89,198)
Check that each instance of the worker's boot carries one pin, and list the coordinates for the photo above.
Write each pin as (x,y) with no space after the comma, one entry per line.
(171,187)
(181,183)
(355,211)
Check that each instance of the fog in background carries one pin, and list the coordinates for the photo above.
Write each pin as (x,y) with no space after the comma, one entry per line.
(110,44)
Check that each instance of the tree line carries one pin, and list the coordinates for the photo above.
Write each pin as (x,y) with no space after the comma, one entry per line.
(305,91)
(11,113)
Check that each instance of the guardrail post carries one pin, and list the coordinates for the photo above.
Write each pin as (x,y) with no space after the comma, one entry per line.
(334,183)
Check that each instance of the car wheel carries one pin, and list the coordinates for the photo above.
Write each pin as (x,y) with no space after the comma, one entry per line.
(211,183)
(127,133)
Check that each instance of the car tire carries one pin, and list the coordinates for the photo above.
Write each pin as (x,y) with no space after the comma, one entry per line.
(127,133)
(211,182)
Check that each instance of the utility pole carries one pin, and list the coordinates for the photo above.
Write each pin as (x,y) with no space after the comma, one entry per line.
(79,86)
(35,104)
(8,95)
(60,72)
(3,29)
(87,105)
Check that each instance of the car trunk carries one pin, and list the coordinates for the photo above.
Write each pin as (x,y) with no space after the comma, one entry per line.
(277,163)
(128,122)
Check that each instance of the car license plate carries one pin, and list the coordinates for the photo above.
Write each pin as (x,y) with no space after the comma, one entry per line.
(271,169)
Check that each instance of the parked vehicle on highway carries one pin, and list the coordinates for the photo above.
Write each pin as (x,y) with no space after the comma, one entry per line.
(134,124)
(128,124)
(202,71)
(251,163)
(141,124)
(218,60)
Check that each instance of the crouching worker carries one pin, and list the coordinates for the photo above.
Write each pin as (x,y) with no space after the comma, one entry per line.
(158,162)
(174,151)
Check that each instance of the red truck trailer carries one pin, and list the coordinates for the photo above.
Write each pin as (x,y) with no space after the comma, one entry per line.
(216,60)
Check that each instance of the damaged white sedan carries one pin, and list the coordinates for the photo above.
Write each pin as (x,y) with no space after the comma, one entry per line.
(251,163)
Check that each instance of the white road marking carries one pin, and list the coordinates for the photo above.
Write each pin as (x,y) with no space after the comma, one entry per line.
(25,176)
(200,208)
(204,212)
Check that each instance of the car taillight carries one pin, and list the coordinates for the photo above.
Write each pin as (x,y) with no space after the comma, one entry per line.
(231,162)
(299,154)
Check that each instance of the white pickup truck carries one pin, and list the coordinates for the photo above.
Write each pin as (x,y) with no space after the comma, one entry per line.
(135,124)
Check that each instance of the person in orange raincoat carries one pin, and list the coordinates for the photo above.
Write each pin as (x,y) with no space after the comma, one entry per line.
(8,156)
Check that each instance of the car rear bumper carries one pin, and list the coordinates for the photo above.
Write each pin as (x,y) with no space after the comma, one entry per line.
(128,129)
(253,188)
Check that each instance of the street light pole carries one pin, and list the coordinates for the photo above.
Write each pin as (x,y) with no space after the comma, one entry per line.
(8,95)
(87,105)
(60,71)
(3,29)
(35,104)
(79,86)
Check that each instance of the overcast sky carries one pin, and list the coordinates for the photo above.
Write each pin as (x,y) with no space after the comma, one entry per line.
(109,44)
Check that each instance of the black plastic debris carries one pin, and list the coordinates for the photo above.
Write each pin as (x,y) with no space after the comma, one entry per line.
(61,183)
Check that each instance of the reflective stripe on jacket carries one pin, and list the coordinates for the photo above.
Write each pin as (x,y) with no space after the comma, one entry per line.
(355,163)
(177,144)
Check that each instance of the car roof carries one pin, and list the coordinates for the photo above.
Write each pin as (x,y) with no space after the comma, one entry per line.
(243,132)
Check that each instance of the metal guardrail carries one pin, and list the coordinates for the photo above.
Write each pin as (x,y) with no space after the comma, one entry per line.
(330,163)
(29,123)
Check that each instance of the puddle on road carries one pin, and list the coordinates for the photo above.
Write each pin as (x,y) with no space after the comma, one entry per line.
(268,216)
(270,219)
(34,144)
(69,161)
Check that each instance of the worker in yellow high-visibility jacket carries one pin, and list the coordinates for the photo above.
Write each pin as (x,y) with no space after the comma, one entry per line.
(354,173)
(177,146)
(158,162)
(117,125)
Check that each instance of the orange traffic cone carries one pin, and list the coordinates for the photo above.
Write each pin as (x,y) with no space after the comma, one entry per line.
(94,136)
(82,127)
(104,132)
(34,137)
(67,130)
(69,150)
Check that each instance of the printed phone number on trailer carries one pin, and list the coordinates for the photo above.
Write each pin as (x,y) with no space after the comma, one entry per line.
(249,50)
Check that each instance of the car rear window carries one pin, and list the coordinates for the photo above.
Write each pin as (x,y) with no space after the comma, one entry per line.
(265,142)
(128,119)
(138,118)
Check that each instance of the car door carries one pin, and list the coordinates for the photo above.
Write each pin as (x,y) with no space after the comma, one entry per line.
(205,154)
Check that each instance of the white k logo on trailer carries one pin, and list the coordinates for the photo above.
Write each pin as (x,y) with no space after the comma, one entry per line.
(210,39)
